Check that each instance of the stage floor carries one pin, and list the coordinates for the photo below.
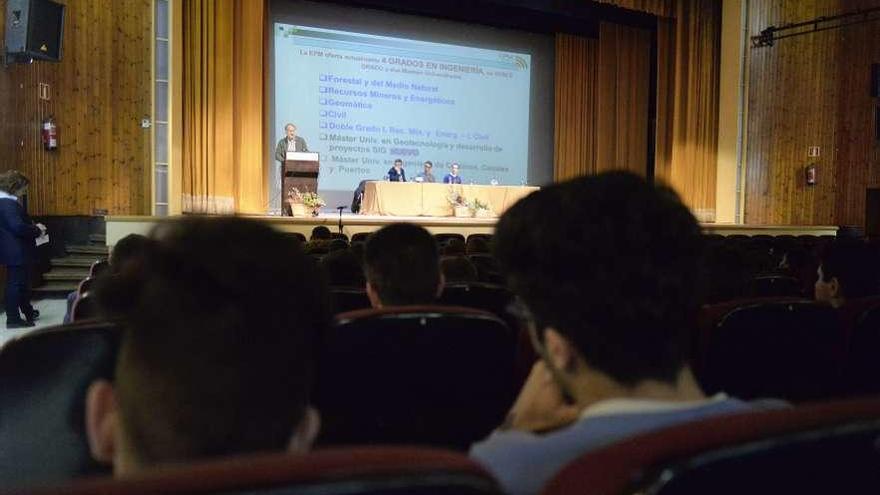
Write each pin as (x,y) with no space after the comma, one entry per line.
(120,226)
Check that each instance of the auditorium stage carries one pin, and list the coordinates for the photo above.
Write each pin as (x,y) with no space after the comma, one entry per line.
(120,226)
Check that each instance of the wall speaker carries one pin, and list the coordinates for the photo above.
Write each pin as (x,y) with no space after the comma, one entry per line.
(34,29)
(875,80)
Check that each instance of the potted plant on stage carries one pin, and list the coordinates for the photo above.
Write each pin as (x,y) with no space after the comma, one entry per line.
(460,205)
(482,210)
(303,203)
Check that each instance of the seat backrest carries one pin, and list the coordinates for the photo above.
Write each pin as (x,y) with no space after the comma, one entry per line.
(862,372)
(488,297)
(792,350)
(488,269)
(339,235)
(775,286)
(358,471)
(98,267)
(417,375)
(85,307)
(348,299)
(827,448)
(485,237)
(85,285)
(43,378)
(443,238)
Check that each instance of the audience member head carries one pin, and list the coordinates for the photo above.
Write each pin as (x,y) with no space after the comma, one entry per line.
(13,182)
(398,164)
(848,269)
(215,359)
(337,245)
(458,269)
(402,266)
(343,268)
(608,268)
(321,233)
(454,247)
(129,248)
(477,245)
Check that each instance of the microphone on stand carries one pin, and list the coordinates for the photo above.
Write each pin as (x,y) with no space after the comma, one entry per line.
(340,208)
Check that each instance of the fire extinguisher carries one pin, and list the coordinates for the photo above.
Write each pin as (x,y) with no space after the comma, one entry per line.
(49,134)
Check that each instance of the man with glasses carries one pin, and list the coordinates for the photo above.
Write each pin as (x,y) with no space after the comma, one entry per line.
(606,269)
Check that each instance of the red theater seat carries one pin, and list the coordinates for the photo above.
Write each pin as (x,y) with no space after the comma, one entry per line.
(360,471)
(826,448)
(417,375)
(784,349)
(43,380)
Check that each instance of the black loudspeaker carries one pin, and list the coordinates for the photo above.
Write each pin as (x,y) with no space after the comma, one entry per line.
(34,29)
(875,80)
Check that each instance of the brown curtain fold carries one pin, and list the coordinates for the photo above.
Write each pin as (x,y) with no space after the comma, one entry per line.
(622,110)
(688,58)
(602,101)
(223,142)
(575,106)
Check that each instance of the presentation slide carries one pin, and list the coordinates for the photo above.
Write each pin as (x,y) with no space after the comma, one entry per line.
(363,101)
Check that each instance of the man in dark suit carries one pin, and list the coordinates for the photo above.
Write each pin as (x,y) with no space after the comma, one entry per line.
(396,173)
(17,234)
(291,142)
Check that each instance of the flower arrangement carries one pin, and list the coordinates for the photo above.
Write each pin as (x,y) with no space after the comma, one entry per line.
(456,199)
(300,201)
(310,199)
(479,205)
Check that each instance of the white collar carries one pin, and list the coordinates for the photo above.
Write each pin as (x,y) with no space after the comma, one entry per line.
(6,195)
(635,406)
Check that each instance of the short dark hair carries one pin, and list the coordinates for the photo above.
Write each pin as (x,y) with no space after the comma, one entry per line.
(220,318)
(398,160)
(321,232)
(855,266)
(343,268)
(402,264)
(130,247)
(611,262)
(12,180)
(428,163)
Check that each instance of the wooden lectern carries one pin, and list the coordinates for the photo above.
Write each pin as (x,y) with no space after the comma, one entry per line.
(300,171)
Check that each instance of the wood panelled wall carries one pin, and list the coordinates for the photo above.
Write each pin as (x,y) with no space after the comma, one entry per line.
(811,90)
(100,91)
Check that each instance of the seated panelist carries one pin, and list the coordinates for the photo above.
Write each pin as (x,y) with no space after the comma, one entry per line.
(396,173)
(452,177)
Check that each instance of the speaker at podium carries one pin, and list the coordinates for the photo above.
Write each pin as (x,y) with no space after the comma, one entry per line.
(300,171)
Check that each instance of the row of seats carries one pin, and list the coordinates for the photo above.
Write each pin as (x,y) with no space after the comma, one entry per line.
(831,447)
(789,348)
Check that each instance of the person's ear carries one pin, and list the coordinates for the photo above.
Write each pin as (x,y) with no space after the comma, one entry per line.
(373,295)
(102,413)
(560,351)
(306,431)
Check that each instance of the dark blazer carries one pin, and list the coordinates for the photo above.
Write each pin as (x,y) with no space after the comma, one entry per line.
(17,234)
(281,148)
(393,176)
